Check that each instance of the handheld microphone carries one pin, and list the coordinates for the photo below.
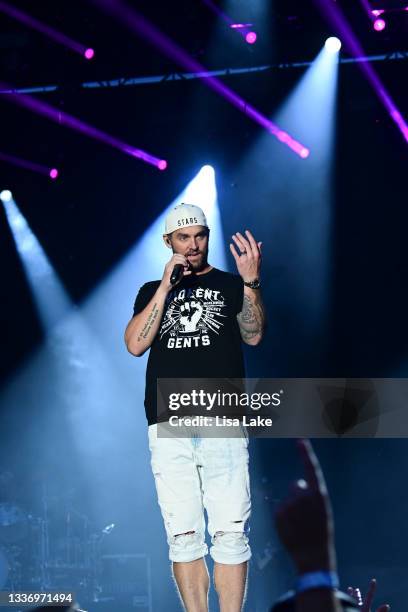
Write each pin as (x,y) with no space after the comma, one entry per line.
(176,274)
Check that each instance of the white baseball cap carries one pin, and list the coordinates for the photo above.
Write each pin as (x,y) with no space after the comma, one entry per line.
(184,215)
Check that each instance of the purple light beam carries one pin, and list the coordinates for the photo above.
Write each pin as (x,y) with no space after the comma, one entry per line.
(47,30)
(216,9)
(366,6)
(27,165)
(335,16)
(46,110)
(133,20)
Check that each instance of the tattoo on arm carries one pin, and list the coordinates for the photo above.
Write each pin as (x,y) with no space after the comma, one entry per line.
(149,323)
(251,319)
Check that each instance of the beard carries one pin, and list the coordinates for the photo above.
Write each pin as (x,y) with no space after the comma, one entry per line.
(196,264)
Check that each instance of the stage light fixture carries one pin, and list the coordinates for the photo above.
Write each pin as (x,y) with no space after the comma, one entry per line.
(333,44)
(208,170)
(240,26)
(6,196)
(251,37)
(379,24)
(162,164)
(54,173)
(89,53)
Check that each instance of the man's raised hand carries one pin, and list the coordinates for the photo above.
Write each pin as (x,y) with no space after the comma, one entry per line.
(248,256)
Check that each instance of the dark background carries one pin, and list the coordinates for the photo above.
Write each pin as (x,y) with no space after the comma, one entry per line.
(89,218)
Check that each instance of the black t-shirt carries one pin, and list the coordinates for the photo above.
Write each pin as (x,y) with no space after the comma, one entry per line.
(199,335)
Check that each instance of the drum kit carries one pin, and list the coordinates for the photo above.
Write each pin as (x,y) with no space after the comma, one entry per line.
(55,549)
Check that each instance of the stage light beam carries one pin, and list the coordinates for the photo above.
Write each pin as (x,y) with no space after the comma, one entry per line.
(28,165)
(60,117)
(69,371)
(299,197)
(43,28)
(134,21)
(146,261)
(49,295)
(336,18)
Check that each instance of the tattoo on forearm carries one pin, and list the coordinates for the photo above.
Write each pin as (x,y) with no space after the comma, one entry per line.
(251,319)
(149,323)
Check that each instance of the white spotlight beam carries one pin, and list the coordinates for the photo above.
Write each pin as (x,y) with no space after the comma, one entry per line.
(146,262)
(48,293)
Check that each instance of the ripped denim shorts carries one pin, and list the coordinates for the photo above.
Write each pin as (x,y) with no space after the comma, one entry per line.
(196,473)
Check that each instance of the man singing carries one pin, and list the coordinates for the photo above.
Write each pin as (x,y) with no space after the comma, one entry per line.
(195,328)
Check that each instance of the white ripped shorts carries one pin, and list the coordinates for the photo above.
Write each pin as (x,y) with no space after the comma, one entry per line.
(196,473)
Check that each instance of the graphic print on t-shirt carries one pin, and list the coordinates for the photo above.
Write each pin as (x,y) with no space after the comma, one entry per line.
(192,316)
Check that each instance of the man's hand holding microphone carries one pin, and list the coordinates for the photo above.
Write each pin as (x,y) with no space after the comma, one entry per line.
(175,269)
(143,327)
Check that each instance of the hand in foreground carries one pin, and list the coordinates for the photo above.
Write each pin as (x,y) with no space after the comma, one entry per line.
(365,604)
(248,259)
(304,520)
